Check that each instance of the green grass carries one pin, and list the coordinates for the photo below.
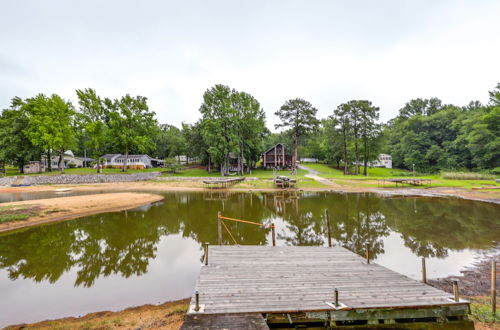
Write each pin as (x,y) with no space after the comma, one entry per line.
(329,172)
(481,311)
(17,212)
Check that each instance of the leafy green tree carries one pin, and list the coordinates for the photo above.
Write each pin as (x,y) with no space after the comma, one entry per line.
(332,143)
(369,131)
(194,144)
(16,146)
(300,117)
(131,123)
(422,107)
(219,125)
(172,165)
(50,125)
(251,123)
(341,115)
(170,141)
(92,119)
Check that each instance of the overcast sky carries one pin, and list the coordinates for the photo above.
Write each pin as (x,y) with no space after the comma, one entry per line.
(326,52)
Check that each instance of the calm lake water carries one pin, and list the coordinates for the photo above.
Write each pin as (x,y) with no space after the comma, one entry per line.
(153,254)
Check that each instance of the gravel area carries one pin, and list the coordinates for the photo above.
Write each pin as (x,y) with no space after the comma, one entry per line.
(86,178)
(7,181)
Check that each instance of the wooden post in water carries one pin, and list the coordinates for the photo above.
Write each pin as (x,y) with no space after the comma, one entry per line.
(424,272)
(455,291)
(206,253)
(219,227)
(327,216)
(367,247)
(493,286)
(273,229)
(336,298)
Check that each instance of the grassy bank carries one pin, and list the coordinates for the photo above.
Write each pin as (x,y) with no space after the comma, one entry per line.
(169,315)
(448,179)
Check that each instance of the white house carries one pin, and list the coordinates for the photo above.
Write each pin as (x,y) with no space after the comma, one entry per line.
(133,161)
(383,160)
(69,159)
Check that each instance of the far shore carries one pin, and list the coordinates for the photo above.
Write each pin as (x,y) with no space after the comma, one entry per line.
(490,196)
(43,211)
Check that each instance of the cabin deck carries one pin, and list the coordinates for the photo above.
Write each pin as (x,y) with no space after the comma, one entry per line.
(295,280)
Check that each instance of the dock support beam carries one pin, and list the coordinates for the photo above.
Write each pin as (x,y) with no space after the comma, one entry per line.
(493,286)
(219,227)
(273,229)
(327,216)
(424,272)
(336,298)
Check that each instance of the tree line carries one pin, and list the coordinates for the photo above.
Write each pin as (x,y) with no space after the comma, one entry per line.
(427,134)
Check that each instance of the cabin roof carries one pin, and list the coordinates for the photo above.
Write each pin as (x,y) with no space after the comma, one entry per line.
(278,144)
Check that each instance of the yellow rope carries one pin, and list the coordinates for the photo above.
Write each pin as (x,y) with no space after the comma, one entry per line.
(229,232)
(244,221)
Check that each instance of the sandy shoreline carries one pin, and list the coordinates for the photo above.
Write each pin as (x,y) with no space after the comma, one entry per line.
(172,186)
(65,208)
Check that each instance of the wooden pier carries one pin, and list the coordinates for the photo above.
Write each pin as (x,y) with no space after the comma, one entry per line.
(218,183)
(403,181)
(316,287)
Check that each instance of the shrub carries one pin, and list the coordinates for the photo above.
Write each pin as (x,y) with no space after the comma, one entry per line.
(172,165)
(466,176)
(496,170)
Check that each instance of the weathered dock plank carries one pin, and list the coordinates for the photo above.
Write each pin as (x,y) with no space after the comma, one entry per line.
(225,321)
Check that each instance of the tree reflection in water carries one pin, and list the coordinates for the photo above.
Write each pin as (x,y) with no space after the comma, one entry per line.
(124,243)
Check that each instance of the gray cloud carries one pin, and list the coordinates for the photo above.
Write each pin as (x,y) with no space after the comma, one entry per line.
(325,51)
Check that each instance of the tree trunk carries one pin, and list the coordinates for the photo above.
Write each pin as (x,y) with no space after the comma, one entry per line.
(346,161)
(124,169)
(295,151)
(21,166)
(356,152)
(61,160)
(49,161)
(365,173)
(209,169)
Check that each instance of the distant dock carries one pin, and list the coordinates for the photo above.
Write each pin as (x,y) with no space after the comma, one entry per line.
(257,287)
(219,183)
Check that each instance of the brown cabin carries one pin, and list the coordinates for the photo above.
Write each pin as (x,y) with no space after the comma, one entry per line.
(277,156)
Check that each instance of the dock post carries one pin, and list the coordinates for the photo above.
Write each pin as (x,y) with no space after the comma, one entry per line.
(197,301)
(327,216)
(367,247)
(424,272)
(336,298)
(206,253)
(273,229)
(455,291)
(493,286)
(219,227)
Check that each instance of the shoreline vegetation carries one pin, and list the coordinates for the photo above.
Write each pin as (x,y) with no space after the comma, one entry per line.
(17,215)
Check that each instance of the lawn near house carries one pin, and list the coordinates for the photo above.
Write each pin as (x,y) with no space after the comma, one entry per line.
(86,170)
(338,176)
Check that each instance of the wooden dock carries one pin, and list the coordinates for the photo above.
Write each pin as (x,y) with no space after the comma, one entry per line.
(403,181)
(218,183)
(289,286)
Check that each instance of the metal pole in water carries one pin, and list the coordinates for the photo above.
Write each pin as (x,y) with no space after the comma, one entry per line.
(455,290)
(424,272)
(493,286)
(197,301)
(219,227)
(367,247)
(327,216)
(274,234)
(336,300)
(206,253)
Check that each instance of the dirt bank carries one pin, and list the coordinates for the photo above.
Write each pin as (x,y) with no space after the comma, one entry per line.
(160,186)
(169,315)
(475,280)
(63,208)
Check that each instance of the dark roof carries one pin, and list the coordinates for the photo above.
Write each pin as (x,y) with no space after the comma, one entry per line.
(278,144)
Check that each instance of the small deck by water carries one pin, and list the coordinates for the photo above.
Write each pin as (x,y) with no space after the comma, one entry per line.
(286,284)
(221,182)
